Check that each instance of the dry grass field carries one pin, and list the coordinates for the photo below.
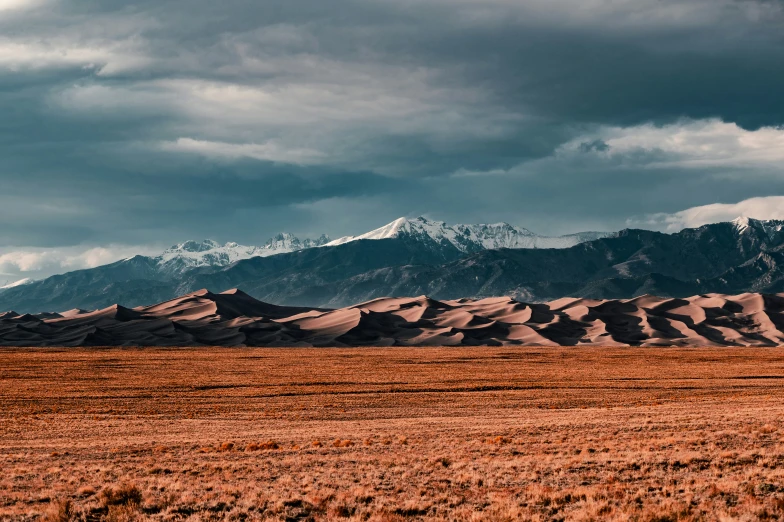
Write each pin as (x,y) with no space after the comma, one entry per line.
(392,434)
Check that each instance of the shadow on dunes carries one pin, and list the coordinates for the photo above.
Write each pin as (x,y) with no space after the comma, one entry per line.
(233,318)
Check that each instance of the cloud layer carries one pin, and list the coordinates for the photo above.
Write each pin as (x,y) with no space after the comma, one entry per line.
(146,122)
(771,207)
(40,262)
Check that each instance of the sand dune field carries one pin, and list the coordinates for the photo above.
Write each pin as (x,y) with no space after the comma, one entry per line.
(233,318)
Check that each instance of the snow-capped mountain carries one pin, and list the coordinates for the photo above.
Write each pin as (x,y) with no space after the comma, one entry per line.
(192,254)
(466,238)
(471,238)
(770,227)
(447,262)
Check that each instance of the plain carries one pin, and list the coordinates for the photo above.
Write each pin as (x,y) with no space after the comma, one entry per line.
(650,434)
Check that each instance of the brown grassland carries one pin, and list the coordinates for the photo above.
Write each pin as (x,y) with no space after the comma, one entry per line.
(491,434)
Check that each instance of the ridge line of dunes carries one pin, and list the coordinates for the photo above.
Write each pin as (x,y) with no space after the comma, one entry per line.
(233,318)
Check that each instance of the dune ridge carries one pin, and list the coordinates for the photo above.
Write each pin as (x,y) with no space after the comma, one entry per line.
(233,318)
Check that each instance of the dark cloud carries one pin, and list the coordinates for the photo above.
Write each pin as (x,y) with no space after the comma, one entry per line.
(140,197)
(146,121)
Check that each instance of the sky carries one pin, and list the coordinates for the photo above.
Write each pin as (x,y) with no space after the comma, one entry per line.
(127,126)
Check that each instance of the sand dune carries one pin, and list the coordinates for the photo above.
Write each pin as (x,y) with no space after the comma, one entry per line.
(233,318)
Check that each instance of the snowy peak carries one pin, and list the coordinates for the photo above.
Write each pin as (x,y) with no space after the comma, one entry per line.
(196,246)
(205,253)
(768,227)
(498,235)
(403,227)
(285,242)
(470,238)
(391,230)
(741,223)
(320,241)
(191,254)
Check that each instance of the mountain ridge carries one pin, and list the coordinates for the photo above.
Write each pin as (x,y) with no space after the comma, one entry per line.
(192,254)
(731,257)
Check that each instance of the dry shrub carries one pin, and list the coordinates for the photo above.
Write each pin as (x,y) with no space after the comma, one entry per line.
(85,491)
(269,445)
(444,461)
(125,513)
(402,440)
(227,446)
(59,511)
(663,518)
(322,499)
(316,443)
(122,495)
(123,503)
(342,510)
(768,428)
(502,510)
(413,508)
(386,517)
(498,440)
(342,443)
(298,509)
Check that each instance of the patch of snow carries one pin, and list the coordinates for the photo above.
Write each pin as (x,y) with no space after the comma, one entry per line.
(191,254)
(387,231)
(471,238)
(741,223)
(769,227)
(25,281)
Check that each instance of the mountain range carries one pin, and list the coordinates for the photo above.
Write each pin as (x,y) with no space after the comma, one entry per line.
(421,257)
(144,279)
(233,318)
(465,238)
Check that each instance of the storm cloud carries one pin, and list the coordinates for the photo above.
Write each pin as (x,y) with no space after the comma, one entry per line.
(141,123)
